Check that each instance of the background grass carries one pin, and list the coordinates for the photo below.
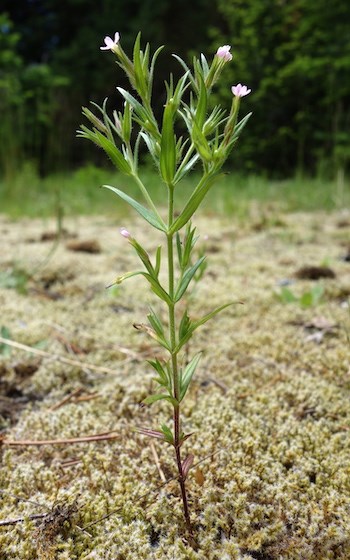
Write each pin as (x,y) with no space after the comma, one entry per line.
(78,193)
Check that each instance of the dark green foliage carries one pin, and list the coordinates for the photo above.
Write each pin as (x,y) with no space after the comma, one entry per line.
(295,55)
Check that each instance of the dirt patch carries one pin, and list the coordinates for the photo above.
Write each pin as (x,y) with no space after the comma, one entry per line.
(268,409)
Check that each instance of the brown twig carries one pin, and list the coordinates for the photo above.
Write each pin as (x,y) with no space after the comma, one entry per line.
(21,519)
(63,441)
(70,463)
(157,462)
(88,397)
(37,352)
(130,353)
(66,399)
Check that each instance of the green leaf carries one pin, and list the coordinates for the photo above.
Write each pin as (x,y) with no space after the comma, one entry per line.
(201,143)
(187,375)
(136,105)
(157,289)
(108,146)
(195,324)
(158,260)
(287,296)
(168,435)
(158,329)
(126,123)
(312,297)
(151,70)
(186,279)
(121,279)
(154,398)
(202,104)
(155,323)
(204,66)
(140,80)
(306,300)
(179,248)
(188,244)
(148,215)
(187,70)
(143,256)
(146,117)
(193,202)
(212,314)
(150,332)
(162,372)
(184,169)
(239,126)
(167,160)
(184,325)
(179,90)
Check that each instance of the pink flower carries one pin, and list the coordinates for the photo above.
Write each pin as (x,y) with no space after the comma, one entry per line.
(224,53)
(124,232)
(109,43)
(240,91)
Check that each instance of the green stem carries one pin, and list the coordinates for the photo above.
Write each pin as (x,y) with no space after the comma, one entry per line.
(174,362)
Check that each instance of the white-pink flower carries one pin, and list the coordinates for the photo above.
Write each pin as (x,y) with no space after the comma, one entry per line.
(240,91)
(224,53)
(124,232)
(109,43)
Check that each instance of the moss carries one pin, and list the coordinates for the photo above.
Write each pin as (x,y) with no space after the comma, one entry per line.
(268,408)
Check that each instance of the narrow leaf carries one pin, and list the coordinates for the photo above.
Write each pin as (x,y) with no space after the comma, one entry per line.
(188,374)
(157,289)
(179,248)
(155,323)
(145,328)
(148,215)
(121,279)
(151,71)
(187,464)
(159,397)
(167,160)
(186,279)
(193,203)
(150,433)
(212,314)
(162,372)
(194,325)
(158,260)
(167,434)
(184,325)
(202,104)
(239,126)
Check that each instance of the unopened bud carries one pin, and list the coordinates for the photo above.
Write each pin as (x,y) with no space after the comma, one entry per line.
(124,232)
(224,53)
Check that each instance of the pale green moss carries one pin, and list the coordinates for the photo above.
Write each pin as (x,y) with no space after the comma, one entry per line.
(269,405)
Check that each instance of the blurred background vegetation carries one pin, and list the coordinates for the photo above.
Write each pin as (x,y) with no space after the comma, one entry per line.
(294,54)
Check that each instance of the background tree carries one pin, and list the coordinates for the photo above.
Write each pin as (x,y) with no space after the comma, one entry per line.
(294,54)
(296,57)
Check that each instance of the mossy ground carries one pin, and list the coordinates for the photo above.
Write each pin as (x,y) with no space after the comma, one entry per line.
(269,407)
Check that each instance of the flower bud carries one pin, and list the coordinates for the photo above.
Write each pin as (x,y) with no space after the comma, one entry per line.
(224,53)
(124,232)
